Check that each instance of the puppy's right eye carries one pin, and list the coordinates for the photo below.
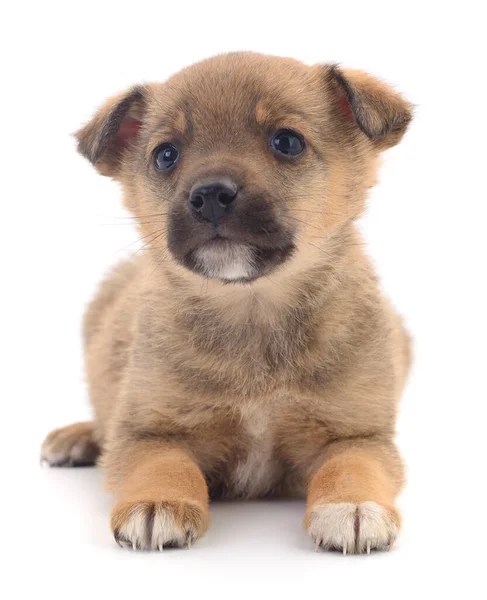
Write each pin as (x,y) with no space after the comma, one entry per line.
(165,156)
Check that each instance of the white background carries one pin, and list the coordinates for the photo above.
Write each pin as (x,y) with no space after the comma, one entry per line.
(62,226)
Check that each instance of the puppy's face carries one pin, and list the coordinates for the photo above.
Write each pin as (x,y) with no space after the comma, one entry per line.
(244,162)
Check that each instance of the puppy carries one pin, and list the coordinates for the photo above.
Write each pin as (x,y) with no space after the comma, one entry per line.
(248,351)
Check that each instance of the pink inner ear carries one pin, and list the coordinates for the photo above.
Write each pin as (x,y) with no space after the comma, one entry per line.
(128,129)
(345,106)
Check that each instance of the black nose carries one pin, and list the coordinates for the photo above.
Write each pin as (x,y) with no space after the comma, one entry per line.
(212,200)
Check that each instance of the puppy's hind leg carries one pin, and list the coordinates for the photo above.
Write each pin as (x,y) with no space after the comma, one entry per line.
(71,446)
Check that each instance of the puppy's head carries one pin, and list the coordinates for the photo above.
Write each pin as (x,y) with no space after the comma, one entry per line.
(244,162)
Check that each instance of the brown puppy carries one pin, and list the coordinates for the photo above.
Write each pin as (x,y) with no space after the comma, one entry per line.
(249,351)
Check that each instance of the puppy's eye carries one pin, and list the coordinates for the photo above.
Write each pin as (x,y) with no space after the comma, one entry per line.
(165,156)
(287,142)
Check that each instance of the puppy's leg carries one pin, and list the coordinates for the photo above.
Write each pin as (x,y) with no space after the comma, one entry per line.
(162,496)
(350,505)
(71,446)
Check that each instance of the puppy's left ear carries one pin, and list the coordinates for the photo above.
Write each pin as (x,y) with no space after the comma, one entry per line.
(104,140)
(380,112)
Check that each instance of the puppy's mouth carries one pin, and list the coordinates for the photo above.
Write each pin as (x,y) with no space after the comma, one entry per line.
(235,261)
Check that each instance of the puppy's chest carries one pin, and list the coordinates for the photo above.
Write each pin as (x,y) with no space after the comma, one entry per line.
(248,361)
(256,470)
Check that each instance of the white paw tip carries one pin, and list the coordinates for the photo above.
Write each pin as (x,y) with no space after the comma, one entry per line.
(353,527)
(164,531)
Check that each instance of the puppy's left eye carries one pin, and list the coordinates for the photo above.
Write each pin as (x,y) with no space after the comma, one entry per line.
(287,142)
(165,156)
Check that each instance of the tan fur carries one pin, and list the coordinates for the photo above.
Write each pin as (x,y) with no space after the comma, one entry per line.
(283,385)
(354,477)
(162,478)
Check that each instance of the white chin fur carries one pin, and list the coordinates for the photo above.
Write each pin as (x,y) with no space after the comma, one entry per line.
(229,262)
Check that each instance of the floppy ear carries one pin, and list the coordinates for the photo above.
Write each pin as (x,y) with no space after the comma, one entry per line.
(379,111)
(103,140)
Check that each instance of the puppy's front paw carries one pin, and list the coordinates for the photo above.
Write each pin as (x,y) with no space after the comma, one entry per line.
(353,528)
(155,525)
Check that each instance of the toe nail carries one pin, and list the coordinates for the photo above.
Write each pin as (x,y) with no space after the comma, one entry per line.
(116,535)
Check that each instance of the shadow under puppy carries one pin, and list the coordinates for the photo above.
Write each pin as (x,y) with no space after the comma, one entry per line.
(248,351)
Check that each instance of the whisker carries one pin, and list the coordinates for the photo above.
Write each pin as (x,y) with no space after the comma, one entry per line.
(304,222)
(161,214)
(327,254)
(148,243)
(159,263)
(152,238)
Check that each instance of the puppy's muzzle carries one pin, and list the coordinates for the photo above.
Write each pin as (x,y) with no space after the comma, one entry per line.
(212,200)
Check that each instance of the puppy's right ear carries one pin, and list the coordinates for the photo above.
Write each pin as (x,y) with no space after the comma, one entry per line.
(114,127)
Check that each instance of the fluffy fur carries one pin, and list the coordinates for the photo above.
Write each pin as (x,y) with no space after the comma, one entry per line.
(264,363)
